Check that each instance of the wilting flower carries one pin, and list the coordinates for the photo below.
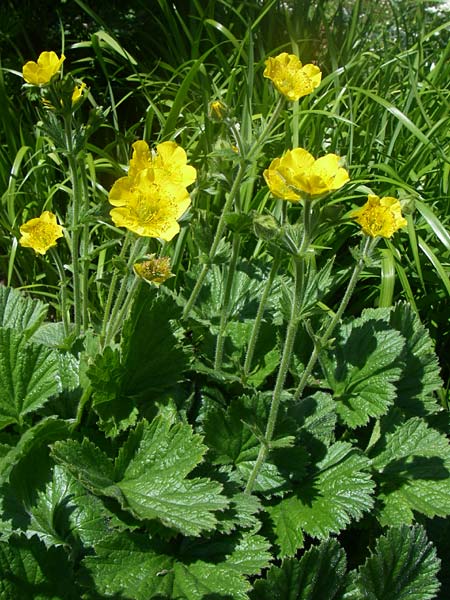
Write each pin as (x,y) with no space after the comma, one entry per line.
(155,270)
(380,217)
(41,72)
(290,77)
(153,196)
(297,174)
(41,233)
(217,110)
(78,92)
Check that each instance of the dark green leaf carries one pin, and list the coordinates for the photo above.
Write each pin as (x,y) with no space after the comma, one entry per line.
(413,468)
(132,565)
(403,566)
(338,490)
(319,575)
(19,312)
(29,375)
(363,368)
(149,479)
(30,571)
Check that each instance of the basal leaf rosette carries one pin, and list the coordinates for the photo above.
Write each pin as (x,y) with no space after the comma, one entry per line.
(380,217)
(149,204)
(298,174)
(41,233)
(44,69)
(290,77)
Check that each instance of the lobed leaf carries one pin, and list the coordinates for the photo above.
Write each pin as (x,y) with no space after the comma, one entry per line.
(319,574)
(149,478)
(19,312)
(29,570)
(29,374)
(403,566)
(338,490)
(363,368)
(413,471)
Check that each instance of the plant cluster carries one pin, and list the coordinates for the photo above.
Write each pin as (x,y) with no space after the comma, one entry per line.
(196,408)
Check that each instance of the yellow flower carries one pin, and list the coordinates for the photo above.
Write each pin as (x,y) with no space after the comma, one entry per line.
(147,205)
(156,270)
(153,196)
(41,233)
(170,160)
(297,174)
(41,72)
(290,77)
(78,92)
(380,217)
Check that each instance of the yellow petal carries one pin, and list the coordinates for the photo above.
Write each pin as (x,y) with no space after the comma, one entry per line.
(290,77)
(380,217)
(141,159)
(42,71)
(41,233)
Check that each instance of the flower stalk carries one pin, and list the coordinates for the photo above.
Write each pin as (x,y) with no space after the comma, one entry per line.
(217,237)
(75,222)
(259,316)
(220,341)
(368,246)
(299,261)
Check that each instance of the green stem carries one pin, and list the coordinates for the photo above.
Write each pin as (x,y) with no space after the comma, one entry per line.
(84,249)
(83,400)
(368,246)
(259,315)
(220,341)
(257,145)
(112,288)
(217,237)
(260,140)
(114,322)
(121,314)
(291,332)
(64,303)
(75,217)
(299,275)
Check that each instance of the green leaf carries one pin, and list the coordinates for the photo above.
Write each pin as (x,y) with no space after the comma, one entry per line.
(286,524)
(420,376)
(412,466)
(149,479)
(338,490)
(19,312)
(318,575)
(362,369)
(131,565)
(156,364)
(316,416)
(29,374)
(116,411)
(403,566)
(45,432)
(61,511)
(232,437)
(144,368)
(29,570)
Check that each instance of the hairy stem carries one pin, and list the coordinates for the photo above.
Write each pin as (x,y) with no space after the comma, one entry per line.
(368,245)
(220,341)
(299,272)
(259,315)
